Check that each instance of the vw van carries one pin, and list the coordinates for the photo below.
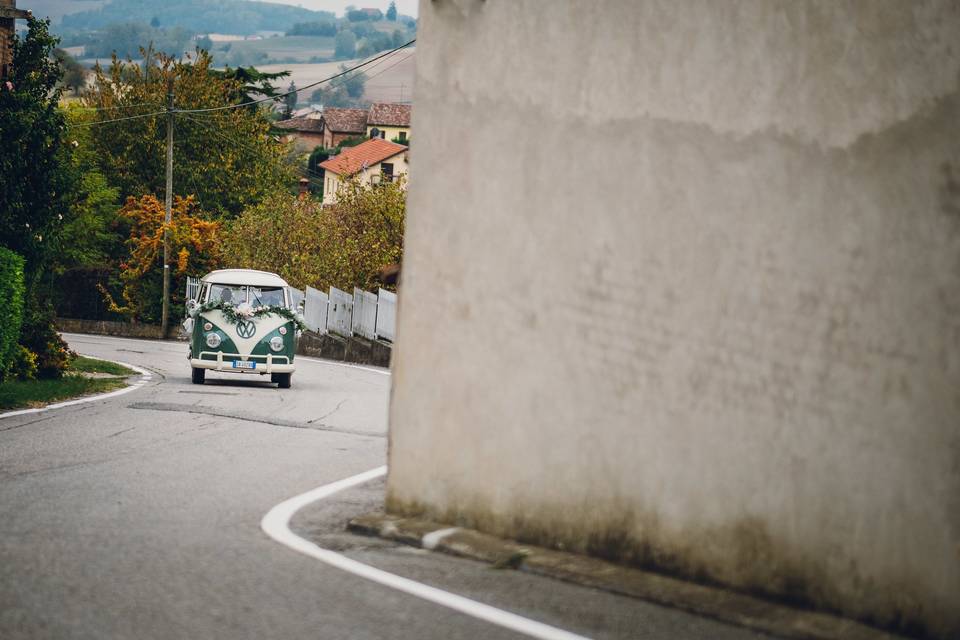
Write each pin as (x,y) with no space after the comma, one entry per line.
(243,322)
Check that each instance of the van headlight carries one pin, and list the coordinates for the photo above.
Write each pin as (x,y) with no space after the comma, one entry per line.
(276,343)
(213,340)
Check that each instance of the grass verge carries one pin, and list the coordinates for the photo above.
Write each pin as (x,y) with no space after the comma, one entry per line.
(17,394)
(92,365)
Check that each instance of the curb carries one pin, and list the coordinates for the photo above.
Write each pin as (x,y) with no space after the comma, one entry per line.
(145,377)
(711,602)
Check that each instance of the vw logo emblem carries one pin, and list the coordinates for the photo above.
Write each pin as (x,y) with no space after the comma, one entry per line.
(246,329)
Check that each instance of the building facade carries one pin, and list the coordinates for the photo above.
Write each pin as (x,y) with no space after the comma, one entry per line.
(371,162)
(730,349)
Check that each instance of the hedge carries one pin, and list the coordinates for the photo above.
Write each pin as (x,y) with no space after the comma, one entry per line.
(11,306)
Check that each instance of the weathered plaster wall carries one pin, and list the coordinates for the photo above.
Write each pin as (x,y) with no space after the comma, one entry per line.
(723,339)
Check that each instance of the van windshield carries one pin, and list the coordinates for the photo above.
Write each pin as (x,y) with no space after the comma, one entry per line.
(238,294)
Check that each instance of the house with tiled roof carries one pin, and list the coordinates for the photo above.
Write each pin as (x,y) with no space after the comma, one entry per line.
(341,124)
(325,127)
(391,121)
(371,162)
(305,131)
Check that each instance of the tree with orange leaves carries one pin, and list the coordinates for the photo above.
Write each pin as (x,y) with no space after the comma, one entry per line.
(193,240)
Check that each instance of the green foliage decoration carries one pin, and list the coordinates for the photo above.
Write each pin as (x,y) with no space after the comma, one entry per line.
(231,313)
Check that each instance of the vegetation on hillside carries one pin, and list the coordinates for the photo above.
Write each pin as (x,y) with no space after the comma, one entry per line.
(201,16)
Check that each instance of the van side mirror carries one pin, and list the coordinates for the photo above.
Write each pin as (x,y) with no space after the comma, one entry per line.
(191,306)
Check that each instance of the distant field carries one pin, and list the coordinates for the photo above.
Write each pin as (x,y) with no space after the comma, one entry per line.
(389,79)
(300,48)
(56,9)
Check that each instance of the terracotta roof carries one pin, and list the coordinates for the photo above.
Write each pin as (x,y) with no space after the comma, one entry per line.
(389,114)
(300,124)
(353,159)
(345,120)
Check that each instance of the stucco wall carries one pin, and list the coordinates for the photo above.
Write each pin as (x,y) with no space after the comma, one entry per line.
(718,330)
(389,133)
(332,181)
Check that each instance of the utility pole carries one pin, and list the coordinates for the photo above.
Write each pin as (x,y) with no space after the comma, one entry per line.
(167,217)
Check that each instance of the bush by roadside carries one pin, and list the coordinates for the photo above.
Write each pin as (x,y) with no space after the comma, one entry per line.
(11,308)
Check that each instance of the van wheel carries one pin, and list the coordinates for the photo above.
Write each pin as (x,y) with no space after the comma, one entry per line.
(199,375)
(282,379)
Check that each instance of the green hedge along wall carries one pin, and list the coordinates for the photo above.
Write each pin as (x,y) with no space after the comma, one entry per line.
(11,305)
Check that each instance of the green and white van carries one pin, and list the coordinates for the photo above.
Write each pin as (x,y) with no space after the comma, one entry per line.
(243,322)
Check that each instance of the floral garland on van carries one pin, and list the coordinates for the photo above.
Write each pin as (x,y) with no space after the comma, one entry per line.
(238,313)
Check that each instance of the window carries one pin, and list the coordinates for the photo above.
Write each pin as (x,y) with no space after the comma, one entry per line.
(386,170)
(403,136)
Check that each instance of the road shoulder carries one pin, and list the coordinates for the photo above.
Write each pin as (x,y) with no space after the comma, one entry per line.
(719,604)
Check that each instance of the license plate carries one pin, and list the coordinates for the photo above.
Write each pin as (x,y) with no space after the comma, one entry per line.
(240,364)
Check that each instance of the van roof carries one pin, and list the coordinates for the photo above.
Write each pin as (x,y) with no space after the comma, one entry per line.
(244,276)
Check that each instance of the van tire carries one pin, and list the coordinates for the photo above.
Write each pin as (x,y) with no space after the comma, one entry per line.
(199,375)
(282,379)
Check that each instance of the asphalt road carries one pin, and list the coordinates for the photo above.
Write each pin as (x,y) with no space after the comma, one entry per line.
(139,517)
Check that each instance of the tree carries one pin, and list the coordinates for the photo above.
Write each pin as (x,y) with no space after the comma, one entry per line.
(227,158)
(280,234)
(194,241)
(392,12)
(345,45)
(290,101)
(38,181)
(343,246)
(253,84)
(74,76)
(204,42)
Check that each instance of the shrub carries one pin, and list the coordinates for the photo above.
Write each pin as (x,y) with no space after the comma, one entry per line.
(39,335)
(11,306)
(24,364)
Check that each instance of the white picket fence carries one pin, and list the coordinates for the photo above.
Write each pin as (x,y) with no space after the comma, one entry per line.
(364,314)
(373,316)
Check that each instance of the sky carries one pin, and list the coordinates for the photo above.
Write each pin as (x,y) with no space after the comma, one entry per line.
(405,7)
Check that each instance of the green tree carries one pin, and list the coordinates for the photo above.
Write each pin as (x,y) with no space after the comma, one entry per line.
(345,45)
(343,246)
(290,100)
(38,181)
(392,12)
(74,75)
(227,158)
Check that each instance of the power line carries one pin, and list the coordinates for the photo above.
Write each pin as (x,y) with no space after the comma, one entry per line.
(90,124)
(122,106)
(267,99)
(237,142)
(299,89)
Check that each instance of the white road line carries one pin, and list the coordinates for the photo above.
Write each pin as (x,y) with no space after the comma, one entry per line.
(276,524)
(145,377)
(337,363)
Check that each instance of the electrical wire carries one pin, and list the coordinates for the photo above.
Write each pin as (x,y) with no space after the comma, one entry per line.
(206,125)
(267,99)
(299,89)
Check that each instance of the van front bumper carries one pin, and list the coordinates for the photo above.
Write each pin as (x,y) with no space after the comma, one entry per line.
(224,362)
